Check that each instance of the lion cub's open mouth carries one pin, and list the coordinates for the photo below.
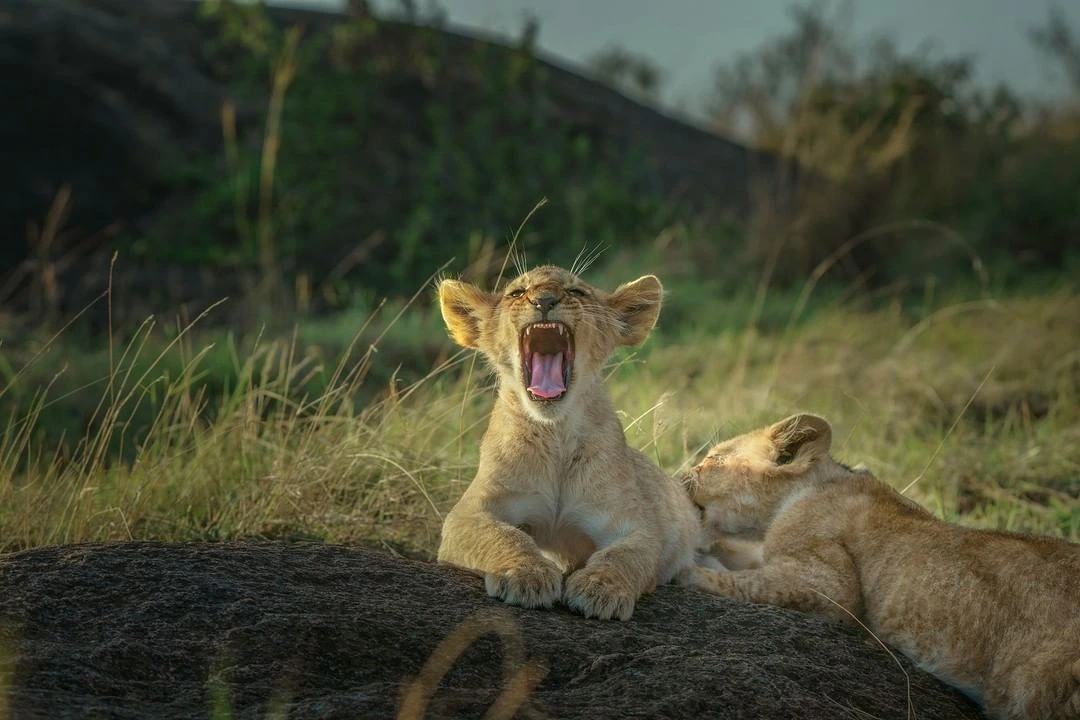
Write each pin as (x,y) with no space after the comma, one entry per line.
(547,356)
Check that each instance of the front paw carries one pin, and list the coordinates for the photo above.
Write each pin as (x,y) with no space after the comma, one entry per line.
(596,593)
(530,586)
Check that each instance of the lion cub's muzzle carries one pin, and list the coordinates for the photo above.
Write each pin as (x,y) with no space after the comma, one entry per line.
(547,360)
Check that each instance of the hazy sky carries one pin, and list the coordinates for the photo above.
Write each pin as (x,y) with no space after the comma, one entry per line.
(688,37)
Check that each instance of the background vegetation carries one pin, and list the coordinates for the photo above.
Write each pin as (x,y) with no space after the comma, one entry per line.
(920,292)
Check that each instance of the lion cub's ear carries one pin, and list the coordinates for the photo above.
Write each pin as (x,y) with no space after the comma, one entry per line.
(465,309)
(801,439)
(637,305)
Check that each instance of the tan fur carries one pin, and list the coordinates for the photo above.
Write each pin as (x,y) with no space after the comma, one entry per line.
(737,553)
(995,614)
(558,492)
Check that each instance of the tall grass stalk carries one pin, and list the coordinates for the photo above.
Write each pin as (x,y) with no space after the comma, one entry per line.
(978,403)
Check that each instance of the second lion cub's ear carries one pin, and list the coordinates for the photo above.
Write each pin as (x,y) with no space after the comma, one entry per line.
(637,305)
(465,309)
(800,439)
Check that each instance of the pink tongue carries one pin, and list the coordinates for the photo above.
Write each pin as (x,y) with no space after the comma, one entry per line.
(547,375)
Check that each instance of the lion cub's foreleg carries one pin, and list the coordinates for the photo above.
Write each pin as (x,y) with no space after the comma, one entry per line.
(614,578)
(513,567)
(737,554)
(827,586)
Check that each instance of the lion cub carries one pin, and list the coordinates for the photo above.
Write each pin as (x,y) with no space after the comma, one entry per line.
(558,491)
(994,614)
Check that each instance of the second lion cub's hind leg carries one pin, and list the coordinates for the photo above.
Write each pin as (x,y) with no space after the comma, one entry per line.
(1060,699)
(1045,687)
(1072,703)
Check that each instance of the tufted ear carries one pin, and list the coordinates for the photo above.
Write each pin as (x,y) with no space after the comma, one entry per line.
(800,440)
(637,306)
(465,309)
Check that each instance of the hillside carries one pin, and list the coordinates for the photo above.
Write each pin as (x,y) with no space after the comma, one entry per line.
(395,145)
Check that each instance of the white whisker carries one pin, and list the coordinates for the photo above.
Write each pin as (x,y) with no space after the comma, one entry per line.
(592,258)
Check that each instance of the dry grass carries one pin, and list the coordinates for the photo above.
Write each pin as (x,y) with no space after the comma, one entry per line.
(974,408)
(976,403)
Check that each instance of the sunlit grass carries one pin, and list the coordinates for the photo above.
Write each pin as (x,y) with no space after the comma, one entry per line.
(976,404)
(972,404)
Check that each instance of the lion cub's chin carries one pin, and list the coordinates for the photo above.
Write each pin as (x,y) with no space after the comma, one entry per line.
(548,412)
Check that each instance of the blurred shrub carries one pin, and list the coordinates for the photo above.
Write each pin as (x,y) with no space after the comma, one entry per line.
(398,146)
(926,173)
(632,73)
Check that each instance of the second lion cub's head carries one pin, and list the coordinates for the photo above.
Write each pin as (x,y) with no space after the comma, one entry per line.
(741,482)
(547,333)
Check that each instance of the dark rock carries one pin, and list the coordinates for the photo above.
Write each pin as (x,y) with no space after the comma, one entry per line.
(145,630)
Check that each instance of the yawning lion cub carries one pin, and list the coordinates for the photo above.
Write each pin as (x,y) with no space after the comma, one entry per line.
(558,491)
(995,614)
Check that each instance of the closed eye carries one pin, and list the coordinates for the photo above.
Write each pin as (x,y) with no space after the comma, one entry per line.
(576,292)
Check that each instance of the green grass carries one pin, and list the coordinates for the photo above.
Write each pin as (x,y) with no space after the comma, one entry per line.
(365,427)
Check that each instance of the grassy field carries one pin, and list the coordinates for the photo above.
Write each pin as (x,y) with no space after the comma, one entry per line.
(365,427)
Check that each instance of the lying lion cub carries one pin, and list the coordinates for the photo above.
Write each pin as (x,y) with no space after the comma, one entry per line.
(558,491)
(994,614)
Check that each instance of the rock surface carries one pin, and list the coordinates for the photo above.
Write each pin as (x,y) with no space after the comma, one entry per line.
(145,630)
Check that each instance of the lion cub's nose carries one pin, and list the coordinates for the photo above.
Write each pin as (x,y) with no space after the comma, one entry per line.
(544,303)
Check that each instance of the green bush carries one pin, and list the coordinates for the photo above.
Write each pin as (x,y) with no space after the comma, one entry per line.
(927,174)
(397,144)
